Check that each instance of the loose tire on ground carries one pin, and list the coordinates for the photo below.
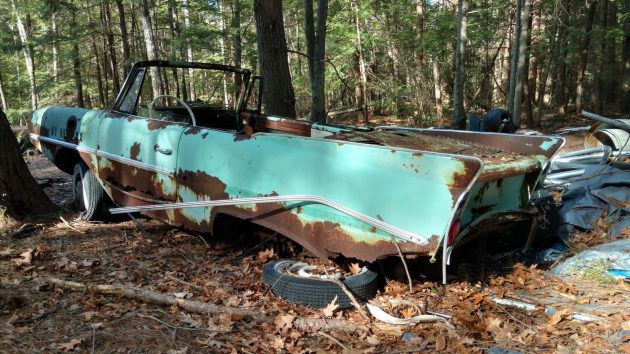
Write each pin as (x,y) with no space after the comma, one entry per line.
(87,193)
(315,292)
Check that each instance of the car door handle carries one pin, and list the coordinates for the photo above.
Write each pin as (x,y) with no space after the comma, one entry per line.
(156,147)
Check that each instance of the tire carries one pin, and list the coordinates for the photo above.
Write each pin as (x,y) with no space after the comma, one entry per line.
(315,292)
(87,193)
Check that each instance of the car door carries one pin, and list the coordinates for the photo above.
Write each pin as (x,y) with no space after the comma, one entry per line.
(137,155)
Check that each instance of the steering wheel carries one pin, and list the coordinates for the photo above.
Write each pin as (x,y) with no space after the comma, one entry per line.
(190,112)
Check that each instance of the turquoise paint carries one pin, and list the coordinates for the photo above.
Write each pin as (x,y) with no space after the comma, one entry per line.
(549,143)
(373,180)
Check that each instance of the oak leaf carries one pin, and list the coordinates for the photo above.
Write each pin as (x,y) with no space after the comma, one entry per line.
(330,308)
(440,343)
(70,346)
(355,268)
(284,322)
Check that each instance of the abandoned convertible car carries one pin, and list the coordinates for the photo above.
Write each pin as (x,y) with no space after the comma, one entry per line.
(186,143)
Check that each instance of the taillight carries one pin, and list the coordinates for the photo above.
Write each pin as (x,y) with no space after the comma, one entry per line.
(453,231)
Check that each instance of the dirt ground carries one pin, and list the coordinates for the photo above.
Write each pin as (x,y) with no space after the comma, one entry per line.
(36,317)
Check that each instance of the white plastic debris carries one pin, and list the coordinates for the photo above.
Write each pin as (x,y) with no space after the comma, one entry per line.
(383,316)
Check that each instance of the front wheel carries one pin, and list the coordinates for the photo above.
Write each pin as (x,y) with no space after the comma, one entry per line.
(87,193)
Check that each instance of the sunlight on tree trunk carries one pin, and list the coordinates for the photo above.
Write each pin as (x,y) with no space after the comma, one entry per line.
(459,114)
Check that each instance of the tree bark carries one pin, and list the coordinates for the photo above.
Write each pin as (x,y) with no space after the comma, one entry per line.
(611,66)
(278,92)
(122,24)
(588,25)
(55,49)
(149,42)
(27,50)
(236,39)
(522,57)
(316,51)
(76,61)
(189,53)
(624,105)
(542,82)
(3,98)
(438,92)
(514,60)
(561,64)
(113,62)
(362,70)
(600,78)
(20,194)
(458,90)
(222,38)
(531,66)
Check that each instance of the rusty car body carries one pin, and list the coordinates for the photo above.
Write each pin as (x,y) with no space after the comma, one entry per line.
(356,192)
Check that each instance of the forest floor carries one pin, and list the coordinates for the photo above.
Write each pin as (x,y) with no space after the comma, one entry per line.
(35,316)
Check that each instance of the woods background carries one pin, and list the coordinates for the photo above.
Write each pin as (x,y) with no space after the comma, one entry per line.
(395,58)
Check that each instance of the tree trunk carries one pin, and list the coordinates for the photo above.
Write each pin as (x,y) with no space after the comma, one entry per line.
(600,78)
(611,72)
(514,60)
(149,42)
(236,38)
(189,53)
(19,192)
(438,93)
(624,105)
(3,98)
(542,82)
(420,32)
(76,64)
(362,70)
(27,50)
(316,50)
(55,50)
(222,47)
(531,67)
(122,24)
(561,64)
(458,90)
(588,25)
(278,92)
(97,60)
(113,62)
(522,56)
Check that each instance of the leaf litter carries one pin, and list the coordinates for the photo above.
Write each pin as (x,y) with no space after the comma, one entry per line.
(36,317)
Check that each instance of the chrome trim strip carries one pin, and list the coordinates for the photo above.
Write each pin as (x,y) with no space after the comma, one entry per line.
(391,229)
(117,158)
(135,163)
(62,143)
(463,198)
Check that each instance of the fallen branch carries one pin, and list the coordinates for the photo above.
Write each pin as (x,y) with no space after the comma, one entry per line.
(65,222)
(348,293)
(203,308)
(183,282)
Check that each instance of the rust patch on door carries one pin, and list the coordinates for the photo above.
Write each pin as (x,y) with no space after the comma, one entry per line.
(135,151)
(141,182)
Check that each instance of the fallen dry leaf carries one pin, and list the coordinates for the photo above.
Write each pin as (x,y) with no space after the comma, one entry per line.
(330,308)
(70,346)
(266,255)
(440,343)
(557,317)
(6,251)
(27,258)
(355,268)
(284,322)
